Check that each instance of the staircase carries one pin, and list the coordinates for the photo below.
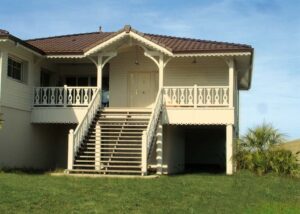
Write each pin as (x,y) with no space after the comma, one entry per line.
(119,152)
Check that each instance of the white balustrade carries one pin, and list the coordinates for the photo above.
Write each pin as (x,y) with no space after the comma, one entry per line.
(196,96)
(76,137)
(149,134)
(63,96)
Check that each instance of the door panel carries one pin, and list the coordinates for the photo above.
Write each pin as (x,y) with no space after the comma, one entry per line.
(141,89)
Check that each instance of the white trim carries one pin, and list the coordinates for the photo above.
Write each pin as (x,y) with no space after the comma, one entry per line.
(64,56)
(213,54)
(105,44)
(173,55)
(17,44)
(131,35)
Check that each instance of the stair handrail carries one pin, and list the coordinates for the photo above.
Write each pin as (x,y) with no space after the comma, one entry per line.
(149,133)
(76,137)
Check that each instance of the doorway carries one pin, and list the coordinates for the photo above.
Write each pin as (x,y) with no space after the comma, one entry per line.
(142,89)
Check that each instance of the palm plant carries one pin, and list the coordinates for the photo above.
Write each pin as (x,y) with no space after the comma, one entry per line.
(257,152)
(261,138)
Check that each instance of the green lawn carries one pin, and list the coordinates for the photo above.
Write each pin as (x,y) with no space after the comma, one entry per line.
(202,193)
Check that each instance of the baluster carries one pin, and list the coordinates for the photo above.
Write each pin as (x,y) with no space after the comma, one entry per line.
(217,96)
(86,97)
(200,97)
(70,96)
(52,96)
(195,96)
(181,97)
(225,96)
(60,96)
(77,97)
(208,96)
(174,97)
(190,97)
(44,96)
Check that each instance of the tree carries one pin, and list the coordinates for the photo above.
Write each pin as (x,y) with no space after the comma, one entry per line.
(256,151)
(262,138)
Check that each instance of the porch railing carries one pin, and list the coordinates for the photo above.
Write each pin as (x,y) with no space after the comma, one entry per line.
(63,96)
(196,96)
(76,137)
(148,135)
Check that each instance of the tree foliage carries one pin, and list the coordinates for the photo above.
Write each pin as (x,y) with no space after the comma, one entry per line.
(257,151)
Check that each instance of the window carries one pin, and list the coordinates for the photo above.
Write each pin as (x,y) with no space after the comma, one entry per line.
(15,69)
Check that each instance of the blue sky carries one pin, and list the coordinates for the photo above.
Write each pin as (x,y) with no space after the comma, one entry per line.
(271,27)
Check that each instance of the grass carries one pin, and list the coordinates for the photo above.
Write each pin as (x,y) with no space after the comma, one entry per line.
(202,193)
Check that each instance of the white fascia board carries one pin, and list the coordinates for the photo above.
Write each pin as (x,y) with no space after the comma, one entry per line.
(105,44)
(151,44)
(65,56)
(213,54)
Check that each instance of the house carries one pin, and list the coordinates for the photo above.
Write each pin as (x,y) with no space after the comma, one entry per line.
(169,105)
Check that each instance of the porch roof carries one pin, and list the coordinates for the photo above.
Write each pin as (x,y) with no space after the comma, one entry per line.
(78,44)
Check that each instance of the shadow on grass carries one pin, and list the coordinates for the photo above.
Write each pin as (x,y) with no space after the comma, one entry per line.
(29,171)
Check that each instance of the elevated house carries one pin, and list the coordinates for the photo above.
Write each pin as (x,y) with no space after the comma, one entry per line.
(125,102)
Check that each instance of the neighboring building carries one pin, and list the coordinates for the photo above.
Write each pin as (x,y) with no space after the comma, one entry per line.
(173,103)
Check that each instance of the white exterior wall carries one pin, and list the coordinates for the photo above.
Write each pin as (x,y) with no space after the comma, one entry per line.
(208,71)
(173,149)
(120,66)
(22,145)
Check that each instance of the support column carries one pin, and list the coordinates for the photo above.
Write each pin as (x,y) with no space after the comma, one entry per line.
(144,153)
(161,71)
(229,149)
(230,63)
(70,149)
(159,148)
(98,147)
(99,71)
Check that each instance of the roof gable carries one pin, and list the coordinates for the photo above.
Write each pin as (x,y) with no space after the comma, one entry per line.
(82,43)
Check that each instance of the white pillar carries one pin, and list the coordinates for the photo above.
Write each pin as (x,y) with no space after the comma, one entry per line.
(229,149)
(99,71)
(230,63)
(161,71)
(70,149)
(144,153)
(159,148)
(97,147)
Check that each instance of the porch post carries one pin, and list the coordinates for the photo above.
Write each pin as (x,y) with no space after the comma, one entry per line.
(99,71)
(70,149)
(159,148)
(98,147)
(230,63)
(161,71)
(229,149)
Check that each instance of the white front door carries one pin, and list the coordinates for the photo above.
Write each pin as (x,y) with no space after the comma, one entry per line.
(142,89)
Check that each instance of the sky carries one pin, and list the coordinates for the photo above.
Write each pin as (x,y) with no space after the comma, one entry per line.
(271,27)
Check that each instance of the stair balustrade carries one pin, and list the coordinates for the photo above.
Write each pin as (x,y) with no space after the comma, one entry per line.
(76,137)
(149,135)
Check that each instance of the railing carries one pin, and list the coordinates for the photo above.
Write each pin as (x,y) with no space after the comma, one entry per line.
(76,137)
(196,96)
(63,96)
(148,135)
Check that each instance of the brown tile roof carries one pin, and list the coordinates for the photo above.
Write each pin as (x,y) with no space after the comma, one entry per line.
(79,43)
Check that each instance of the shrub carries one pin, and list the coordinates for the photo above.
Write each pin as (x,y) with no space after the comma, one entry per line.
(256,152)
